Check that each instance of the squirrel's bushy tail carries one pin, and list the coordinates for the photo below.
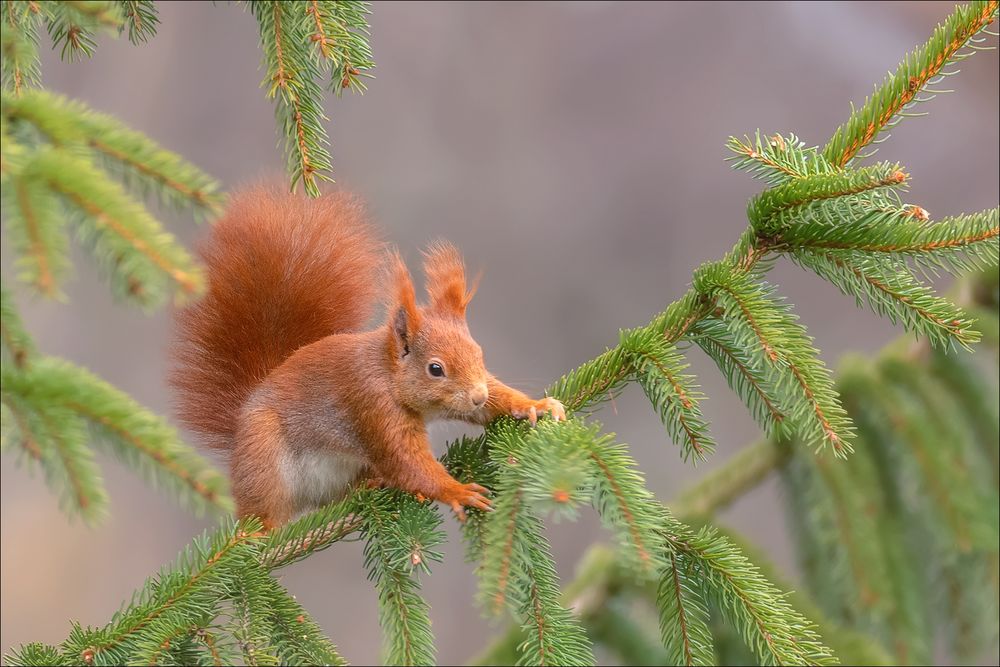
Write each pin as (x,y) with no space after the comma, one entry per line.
(283,271)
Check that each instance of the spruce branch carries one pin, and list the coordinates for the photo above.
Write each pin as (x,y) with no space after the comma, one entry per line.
(659,370)
(313,532)
(72,24)
(851,646)
(36,227)
(776,159)
(401,536)
(900,91)
(895,294)
(292,636)
(805,384)
(773,629)
(19,45)
(931,464)
(53,402)
(141,162)
(519,573)
(55,438)
(899,609)
(16,346)
(627,507)
(781,206)
(291,79)
(684,616)
(840,538)
(958,244)
(965,458)
(196,584)
(340,34)
(137,255)
(973,399)
(746,372)
(139,438)
(52,406)
(140,18)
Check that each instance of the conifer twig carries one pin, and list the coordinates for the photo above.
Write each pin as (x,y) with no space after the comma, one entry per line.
(900,89)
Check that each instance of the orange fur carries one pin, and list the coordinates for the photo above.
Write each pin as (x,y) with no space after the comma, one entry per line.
(273,370)
(445,273)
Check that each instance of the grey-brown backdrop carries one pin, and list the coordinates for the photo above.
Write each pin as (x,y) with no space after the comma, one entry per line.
(573,150)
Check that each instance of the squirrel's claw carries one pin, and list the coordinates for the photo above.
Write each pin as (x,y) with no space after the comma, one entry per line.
(556,409)
(546,405)
(478,489)
(467,495)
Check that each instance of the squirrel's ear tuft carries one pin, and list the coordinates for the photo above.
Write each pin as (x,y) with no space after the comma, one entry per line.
(445,273)
(404,318)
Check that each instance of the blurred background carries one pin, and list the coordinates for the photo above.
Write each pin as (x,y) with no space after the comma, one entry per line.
(572,150)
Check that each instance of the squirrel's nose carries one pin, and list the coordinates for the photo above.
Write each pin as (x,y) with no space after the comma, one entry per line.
(479,395)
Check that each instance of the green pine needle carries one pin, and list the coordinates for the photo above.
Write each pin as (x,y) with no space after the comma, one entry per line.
(684,615)
(291,79)
(19,65)
(140,18)
(746,371)
(759,321)
(518,572)
(660,372)
(777,159)
(918,73)
(893,293)
(72,24)
(16,346)
(776,633)
(36,225)
(401,535)
(340,36)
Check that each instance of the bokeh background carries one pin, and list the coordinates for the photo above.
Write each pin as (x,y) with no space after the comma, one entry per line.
(574,151)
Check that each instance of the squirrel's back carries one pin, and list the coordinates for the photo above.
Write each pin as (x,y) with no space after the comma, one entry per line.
(283,272)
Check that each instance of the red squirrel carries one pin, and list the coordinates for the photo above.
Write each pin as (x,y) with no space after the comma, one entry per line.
(272,367)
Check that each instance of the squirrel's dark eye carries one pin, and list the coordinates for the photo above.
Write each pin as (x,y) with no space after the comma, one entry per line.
(436,370)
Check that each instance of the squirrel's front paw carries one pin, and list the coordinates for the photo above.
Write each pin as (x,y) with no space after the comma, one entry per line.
(531,411)
(461,496)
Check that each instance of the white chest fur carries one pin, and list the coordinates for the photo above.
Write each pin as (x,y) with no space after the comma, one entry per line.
(316,477)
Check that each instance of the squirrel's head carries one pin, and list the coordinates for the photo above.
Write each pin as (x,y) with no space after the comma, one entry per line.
(441,365)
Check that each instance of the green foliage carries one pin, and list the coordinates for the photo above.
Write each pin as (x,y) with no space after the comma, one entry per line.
(659,370)
(63,168)
(139,18)
(289,31)
(401,535)
(748,372)
(768,624)
(889,538)
(72,25)
(304,42)
(19,45)
(824,196)
(907,530)
(58,179)
(518,572)
(216,604)
(777,159)
(921,69)
(684,615)
(805,386)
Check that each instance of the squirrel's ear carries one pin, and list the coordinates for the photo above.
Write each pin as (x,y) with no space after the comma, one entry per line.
(445,273)
(404,318)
